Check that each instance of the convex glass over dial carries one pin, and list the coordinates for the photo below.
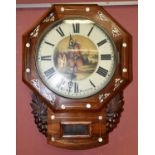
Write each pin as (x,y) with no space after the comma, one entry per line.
(75,58)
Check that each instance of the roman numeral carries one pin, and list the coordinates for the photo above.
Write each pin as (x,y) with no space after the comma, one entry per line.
(62,82)
(101,42)
(76,87)
(90,31)
(76,28)
(59,30)
(106,57)
(46,58)
(102,71)
(49,73)
(92,83)
(49,43)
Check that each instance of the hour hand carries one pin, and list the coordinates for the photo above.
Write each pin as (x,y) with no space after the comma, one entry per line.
(71,41)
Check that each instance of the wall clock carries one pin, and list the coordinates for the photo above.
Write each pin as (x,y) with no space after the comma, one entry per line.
(77,61)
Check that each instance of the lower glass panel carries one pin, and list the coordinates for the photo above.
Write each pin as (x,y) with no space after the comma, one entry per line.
(75,130)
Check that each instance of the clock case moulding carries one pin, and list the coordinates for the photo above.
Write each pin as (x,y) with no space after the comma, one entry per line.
(99,113)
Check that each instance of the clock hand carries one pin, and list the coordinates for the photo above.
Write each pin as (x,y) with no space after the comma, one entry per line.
(70,83)
(71,42)
(70,47)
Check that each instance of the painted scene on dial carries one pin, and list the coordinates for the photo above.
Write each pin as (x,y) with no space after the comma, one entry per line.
(76,57)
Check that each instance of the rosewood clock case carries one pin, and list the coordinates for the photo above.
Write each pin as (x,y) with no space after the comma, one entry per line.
(77,123)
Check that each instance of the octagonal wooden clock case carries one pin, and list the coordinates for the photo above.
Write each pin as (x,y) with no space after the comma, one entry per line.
(77,61)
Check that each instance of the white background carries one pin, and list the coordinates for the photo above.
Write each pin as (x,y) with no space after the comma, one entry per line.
(146,74)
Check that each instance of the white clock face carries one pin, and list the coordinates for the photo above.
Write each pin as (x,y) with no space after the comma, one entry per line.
(75,58)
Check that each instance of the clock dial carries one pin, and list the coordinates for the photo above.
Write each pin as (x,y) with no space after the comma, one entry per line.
(75,58)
